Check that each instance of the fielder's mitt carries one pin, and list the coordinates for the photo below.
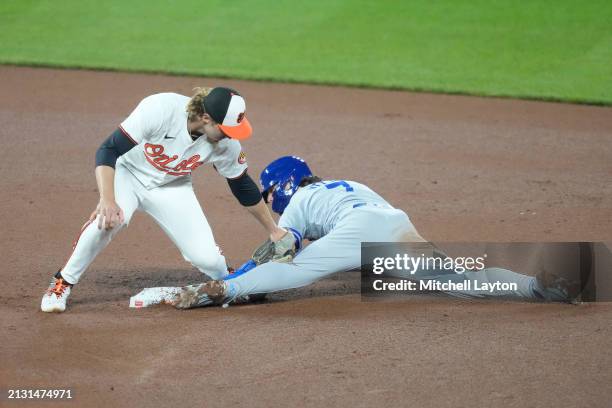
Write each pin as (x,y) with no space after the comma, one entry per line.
(282,250)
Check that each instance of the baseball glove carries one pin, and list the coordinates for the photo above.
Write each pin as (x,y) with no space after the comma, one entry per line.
(282,250)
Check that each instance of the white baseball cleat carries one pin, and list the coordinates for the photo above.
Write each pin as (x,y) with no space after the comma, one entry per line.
(55,297)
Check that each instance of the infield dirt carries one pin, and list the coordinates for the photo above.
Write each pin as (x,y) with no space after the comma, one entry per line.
(463,168)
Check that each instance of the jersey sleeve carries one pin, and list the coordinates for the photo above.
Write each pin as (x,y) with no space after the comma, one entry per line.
(145,121)
(294,219)
(232,163)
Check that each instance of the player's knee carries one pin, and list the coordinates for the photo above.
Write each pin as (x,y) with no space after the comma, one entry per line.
(211,263)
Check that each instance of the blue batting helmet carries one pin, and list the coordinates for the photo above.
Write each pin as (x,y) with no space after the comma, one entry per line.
(281,178)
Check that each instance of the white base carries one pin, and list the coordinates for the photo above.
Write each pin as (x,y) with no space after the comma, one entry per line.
(154,296)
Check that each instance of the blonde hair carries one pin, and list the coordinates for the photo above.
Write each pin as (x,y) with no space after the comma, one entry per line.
(195,107)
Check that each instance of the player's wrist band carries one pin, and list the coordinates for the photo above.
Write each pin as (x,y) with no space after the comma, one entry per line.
(298,238)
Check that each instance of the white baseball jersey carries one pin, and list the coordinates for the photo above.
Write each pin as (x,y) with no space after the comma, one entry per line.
(164,148)
(314,210)
(164,152)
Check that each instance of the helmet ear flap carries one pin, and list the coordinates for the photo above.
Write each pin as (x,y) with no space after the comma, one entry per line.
(282,191)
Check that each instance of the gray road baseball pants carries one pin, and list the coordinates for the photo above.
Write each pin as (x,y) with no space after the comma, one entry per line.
(340,251)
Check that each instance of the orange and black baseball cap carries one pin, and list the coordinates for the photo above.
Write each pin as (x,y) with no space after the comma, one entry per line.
(227,107)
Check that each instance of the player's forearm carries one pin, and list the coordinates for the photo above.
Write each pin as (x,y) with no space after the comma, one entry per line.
(247,193)
(262,214)
(270,277)
(105,178)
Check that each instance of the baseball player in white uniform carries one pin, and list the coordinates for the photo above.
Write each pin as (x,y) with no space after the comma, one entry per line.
(337,215)
(146,165)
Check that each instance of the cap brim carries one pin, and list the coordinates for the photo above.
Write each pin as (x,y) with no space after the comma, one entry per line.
(240,132)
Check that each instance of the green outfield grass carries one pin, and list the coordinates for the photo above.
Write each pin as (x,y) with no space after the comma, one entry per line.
(557,50)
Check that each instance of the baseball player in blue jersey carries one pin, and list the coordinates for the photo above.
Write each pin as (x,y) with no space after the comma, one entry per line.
(337,215)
